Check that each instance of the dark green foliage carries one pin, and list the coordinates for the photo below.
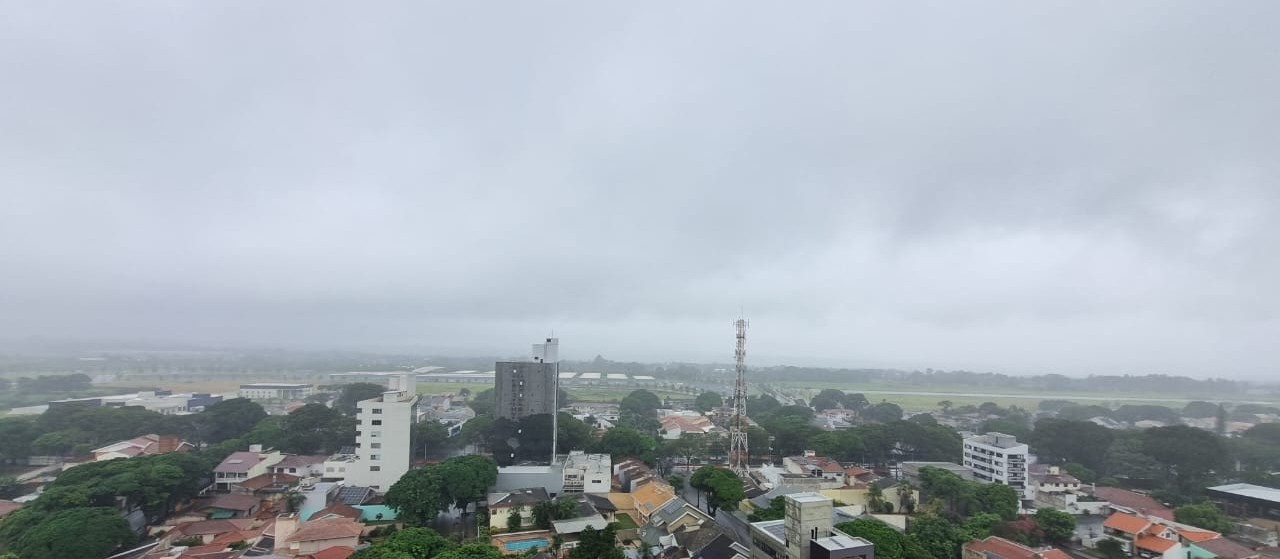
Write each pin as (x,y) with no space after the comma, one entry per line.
(471,551)
(759,406)
(1080,472)
(315,428)
(1057,526)
(1200,409)
(890,544)
(1189,455)
(418,496)
(356,392)
(622,442)
(775,511)
(597,544)
(997,499)
(1111,549)
(639,410)
(1009,426)
(708,401)
(1206,515)
(466,478)
(938,536)
(831,398)
(560,508)
(884,412)
(228,419)
(88,533)
(1077,412)
(411,542)
(843,444)
(722,487)
(980,526)
(573,434)
(483,402)
(1142,412)
(1081,442)
(428,436)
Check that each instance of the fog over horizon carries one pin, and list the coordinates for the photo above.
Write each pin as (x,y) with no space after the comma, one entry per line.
(1023,188)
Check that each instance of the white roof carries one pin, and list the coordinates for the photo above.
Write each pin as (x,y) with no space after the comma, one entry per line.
(1250,490)
(616,376)
(590,375)
(642,377)
(575,525)
(568,375)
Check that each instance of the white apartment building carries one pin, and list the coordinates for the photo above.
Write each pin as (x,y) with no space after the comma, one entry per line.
(587,473)
(999,458)
(383,425)
(275,391)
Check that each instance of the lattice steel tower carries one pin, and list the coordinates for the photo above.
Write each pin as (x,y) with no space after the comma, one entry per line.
(738,427)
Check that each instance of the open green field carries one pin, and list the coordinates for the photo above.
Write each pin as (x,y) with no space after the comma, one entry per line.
(614,393)
(451,387)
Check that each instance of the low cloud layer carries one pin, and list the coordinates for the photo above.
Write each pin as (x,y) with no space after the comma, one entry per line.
(1041,187)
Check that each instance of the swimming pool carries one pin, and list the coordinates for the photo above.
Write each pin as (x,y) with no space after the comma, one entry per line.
(524,545)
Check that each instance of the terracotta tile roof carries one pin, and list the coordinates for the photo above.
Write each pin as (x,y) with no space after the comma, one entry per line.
(268,480)
(235,502)
(651,496)
(335,552)
(1136,501)
(1197,535)
(327,529)
(336,509)
(1226,549)
(1000,547)
(1126,523)
(207,527)
(1154,543)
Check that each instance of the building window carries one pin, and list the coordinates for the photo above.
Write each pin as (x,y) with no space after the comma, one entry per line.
(375,457)
(375,468)
(375,434)
(375,445)
(377,422)
(376,410)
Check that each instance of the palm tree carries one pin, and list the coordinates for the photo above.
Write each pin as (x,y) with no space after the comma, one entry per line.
(906,502)
(875,498)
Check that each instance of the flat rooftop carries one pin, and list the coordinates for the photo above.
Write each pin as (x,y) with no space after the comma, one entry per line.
(837,541)
(809,497)
(1249,490)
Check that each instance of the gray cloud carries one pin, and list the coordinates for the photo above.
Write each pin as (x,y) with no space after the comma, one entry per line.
(1053,187)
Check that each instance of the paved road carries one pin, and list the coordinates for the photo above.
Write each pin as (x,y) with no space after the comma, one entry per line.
(735,524)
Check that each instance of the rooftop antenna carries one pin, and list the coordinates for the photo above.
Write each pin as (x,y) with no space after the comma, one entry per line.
(738,456)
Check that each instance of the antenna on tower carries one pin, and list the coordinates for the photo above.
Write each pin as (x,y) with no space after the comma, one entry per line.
(738,455)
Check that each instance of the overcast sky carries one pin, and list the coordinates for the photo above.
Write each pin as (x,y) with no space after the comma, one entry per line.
(1023,187)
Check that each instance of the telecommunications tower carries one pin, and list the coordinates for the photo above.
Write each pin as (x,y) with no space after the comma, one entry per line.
(738,427)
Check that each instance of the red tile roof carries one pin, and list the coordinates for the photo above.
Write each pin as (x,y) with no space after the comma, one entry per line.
(7,506)
(207,527)
(1136,501)
(335,552)
(1126,523)
(1197,535)
(1154,543)
(268,480)
(327,529)
(336,509)
(995,545)
(1227,549)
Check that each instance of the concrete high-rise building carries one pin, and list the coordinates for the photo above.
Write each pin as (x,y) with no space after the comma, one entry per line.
(999,458)
(806,532)
(524,388)
(383,426)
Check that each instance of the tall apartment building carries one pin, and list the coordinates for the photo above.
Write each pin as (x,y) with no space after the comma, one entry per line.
(999,458)
(524,388)
(383,425)
(806,532)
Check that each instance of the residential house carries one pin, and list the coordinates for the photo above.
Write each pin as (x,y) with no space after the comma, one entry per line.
(300,465)
(569,529)
(266,485)
(722,547)
(232,506)
(677,515)
(995,547)
(206,530)
(315,536)
(650,497)
(812,465)
(503,503)
(335,552)
(676,425)
(1221,548)
(1143,538)
(240,466)
(146,445)
(589,473)
(1123,500)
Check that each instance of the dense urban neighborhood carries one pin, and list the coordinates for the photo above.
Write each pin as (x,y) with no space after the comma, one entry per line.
(426,462)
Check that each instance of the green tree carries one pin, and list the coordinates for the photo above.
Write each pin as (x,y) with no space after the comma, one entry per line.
(722,486)
(471,551)
(574,434)
(957,495)
(315,428)
(623,442)
(560,508)
(1081,442)
(884,412)
(775,511)
(465,479)
(354,393)
(639,410)
(843,444)
(979,526)
(1189,455)
(761,405)
(828,399)
(80,532)
(1200,409)
(16,434)
(1058,526)
(937,535)
(1205,515)
(708,401)
(418,496)
(514,520)
(998,499)
(1111,549)
(890,544)
(228,419)
(427,436)
(483,402)
(597,544)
